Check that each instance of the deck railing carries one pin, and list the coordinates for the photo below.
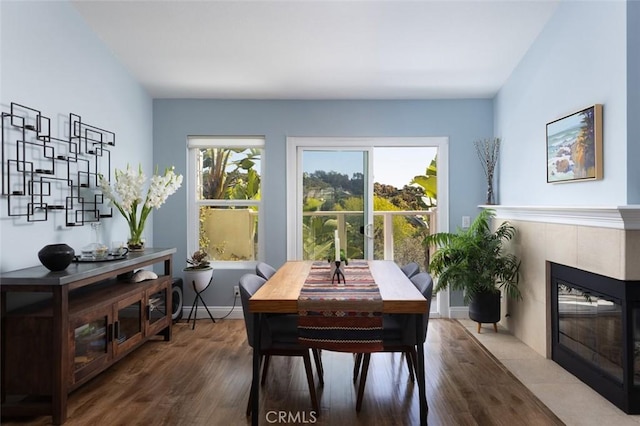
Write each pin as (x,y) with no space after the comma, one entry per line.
(426,217)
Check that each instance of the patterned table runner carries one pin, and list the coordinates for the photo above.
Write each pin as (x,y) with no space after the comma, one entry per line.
(345,317)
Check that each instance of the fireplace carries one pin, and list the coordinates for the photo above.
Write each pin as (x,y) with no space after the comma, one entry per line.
(595,332)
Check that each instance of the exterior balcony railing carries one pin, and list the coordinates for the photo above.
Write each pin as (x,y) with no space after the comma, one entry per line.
(387,244)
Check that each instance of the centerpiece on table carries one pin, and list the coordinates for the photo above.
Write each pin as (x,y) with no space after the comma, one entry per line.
(127,196)
(337,265)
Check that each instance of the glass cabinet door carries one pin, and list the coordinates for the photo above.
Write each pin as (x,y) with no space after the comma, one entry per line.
(91,347)
(157,306)
(128,323)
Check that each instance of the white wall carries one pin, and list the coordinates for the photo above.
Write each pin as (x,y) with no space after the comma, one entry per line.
(578,60)
(52,62)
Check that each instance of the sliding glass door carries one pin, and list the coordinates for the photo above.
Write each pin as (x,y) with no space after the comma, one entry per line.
(335,201)
(381,195)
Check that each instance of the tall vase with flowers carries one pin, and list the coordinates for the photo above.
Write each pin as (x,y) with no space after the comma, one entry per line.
(127,195)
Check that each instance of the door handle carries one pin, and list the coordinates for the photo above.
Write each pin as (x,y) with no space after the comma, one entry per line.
(368,230)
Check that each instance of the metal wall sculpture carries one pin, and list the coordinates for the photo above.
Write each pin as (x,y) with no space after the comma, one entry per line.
(42,174)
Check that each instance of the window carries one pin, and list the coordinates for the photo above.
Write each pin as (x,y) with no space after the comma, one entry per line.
(224,197)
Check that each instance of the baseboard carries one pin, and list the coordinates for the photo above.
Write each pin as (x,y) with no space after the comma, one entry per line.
(227,312)
(458,312)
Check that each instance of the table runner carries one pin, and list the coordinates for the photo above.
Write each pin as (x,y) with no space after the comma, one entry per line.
(344,317)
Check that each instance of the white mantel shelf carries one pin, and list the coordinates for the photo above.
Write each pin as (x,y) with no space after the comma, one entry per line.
(615,217)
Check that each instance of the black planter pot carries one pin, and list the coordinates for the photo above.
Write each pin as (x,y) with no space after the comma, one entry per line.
(56,257)
(485,308)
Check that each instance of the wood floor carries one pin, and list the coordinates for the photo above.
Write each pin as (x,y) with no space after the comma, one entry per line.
(202,377)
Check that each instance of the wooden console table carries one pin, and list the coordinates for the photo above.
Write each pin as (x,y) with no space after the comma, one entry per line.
(94,317)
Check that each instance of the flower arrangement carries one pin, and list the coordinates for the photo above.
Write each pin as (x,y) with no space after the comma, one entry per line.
(198,260)
(127,195)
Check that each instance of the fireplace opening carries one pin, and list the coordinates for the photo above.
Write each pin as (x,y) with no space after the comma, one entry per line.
(595,332)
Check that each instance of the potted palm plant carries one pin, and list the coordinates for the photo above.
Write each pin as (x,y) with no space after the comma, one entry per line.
(199,271)
(474,260)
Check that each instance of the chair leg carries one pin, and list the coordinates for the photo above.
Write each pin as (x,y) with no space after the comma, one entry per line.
(495,327)
(319,367)
(266,358)
(249,402)
(414,357)
(363,380)
(356,366)
(249,405)
(410,362)
(312,387)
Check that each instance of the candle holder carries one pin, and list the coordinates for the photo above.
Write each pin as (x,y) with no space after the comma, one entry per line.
(338,274)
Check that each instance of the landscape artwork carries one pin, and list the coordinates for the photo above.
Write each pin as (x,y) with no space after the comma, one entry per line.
(574,146)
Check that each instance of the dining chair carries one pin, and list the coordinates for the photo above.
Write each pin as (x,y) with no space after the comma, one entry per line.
(265,270)
(279,337)
(399,335)
(410,269)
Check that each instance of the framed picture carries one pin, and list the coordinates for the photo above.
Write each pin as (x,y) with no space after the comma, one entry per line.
(574,146)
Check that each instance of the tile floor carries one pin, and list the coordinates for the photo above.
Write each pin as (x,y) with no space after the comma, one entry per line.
(571,400)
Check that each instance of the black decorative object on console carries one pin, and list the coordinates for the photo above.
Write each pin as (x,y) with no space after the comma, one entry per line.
(56,257)
(43,173)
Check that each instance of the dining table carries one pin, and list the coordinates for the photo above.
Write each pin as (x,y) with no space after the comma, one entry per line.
(281,294)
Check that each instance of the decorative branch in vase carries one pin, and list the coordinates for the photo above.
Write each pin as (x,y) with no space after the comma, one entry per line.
(127,195)
(488,152)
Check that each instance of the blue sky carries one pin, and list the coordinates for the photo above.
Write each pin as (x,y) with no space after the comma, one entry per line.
(392,166)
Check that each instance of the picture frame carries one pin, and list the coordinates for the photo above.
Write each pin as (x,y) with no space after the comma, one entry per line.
(574,146)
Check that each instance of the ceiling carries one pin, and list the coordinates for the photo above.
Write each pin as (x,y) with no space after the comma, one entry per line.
(327,49)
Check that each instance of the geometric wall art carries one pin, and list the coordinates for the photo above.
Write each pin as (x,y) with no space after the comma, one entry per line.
(43,174)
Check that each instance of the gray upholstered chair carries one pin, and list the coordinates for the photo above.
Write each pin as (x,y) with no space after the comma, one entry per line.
(279,336)
(265,270)
(399,335)
(410,269)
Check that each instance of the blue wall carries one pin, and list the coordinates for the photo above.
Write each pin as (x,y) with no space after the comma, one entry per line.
(578,60)
(52,62)
(588,53)
(462,121)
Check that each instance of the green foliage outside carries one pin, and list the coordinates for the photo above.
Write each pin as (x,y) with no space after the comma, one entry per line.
(227,174)
(332,191)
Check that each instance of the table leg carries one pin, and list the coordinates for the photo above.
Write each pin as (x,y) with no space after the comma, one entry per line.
(424,408)
(255,396)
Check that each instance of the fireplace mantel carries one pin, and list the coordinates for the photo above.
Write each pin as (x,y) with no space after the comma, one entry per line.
(614,217)
(604,240)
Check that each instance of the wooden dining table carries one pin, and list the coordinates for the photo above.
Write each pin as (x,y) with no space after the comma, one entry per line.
(281,292)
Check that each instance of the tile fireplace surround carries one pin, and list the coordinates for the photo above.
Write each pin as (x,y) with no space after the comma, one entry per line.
(603,240)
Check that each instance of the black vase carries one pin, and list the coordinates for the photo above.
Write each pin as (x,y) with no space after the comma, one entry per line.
(485,307)
(56,257)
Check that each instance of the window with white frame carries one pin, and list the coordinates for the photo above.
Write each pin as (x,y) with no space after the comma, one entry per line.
(224,185)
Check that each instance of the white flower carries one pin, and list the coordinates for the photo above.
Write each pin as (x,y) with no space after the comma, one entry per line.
(127,194)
